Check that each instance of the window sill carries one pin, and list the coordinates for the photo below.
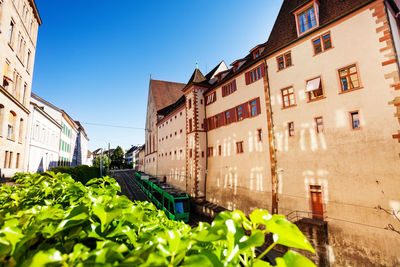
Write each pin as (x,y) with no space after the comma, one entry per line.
(323,51)
(316,99)
(279,70)
(295,105)
(350,90)
(307,31)
(10,139)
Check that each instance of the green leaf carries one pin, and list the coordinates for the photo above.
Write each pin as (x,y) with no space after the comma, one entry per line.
(42,258)
(197,260)
(287,233)
(294,259)
(261,263)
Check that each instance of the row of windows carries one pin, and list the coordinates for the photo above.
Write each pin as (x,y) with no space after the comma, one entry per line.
(170,136)
(21,50)
(65,130)
(354,118)
(8,160)
(170,120)
(319,44)
(349,80)
(64,146)
(170,153)
(44,134)
(241,112)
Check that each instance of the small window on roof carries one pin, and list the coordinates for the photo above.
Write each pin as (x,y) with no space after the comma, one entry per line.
(307,18)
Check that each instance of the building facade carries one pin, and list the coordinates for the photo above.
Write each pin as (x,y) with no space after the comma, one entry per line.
(302,126)
(19,22)
(43,141)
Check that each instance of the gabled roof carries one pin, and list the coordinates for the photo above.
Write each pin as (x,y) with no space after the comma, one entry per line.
(165,93)
(196,79)
(133,148)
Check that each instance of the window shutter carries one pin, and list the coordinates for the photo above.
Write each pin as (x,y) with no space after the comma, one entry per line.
(247,76)
(223,90)
(233,114)
(234,85)
(205,124)
(221,118)
(262,70)
(245,108)
(212,123)
(258,106)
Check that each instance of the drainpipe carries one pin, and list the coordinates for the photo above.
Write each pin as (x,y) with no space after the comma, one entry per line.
(206,169)
(274,178)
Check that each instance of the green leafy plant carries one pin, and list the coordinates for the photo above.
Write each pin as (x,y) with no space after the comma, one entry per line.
(51,220)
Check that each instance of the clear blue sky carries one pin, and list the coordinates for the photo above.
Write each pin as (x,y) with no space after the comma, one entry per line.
(94,57)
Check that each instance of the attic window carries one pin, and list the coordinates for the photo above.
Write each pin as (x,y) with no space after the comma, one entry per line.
(256,53)
(307,18)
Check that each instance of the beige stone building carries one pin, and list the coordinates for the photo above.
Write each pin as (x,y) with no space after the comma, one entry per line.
(305,125)
(19,22)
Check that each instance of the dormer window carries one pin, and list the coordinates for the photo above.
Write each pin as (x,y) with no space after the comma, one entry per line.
(307,18)
(256,54)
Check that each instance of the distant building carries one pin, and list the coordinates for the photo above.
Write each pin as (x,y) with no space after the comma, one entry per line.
(139,166)
(43,140)
(129,155)
(19,22)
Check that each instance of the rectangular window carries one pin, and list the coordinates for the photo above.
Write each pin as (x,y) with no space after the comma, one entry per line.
(319,124)
(10,32)
(355,120)
(219,150)
(306,20)
(291,128)
(349,78)
(229,88)
(10,132)
(314,89)
(255,74)
(288,99)
(190,103)
(10,160)
(190,126)
(322,43)
(6,159)
(17,163)
(284,60)
(326,38)
(317,46)
(227,117)
(216,119)
(210,151)
(253,108)
(239,113)
(259,135)
(211,98)
(239,147)
(190,153)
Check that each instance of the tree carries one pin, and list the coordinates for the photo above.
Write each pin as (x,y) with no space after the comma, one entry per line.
(117,158)
(106,161)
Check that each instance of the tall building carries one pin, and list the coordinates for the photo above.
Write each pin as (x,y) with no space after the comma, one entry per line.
(306,125)
(19,22)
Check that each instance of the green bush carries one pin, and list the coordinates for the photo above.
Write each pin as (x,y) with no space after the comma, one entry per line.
(80,173)
(51,220)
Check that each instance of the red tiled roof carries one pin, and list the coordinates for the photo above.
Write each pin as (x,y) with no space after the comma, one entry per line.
(165,93)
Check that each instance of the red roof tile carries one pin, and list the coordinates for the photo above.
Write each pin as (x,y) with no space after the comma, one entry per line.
(165,93)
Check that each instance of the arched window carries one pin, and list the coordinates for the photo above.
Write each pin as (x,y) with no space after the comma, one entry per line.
(21,130)
(11,125)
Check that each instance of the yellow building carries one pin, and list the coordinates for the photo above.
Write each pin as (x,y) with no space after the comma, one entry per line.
(19,22)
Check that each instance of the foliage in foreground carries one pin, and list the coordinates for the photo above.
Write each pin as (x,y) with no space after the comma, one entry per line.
(51,220)
(80,173)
